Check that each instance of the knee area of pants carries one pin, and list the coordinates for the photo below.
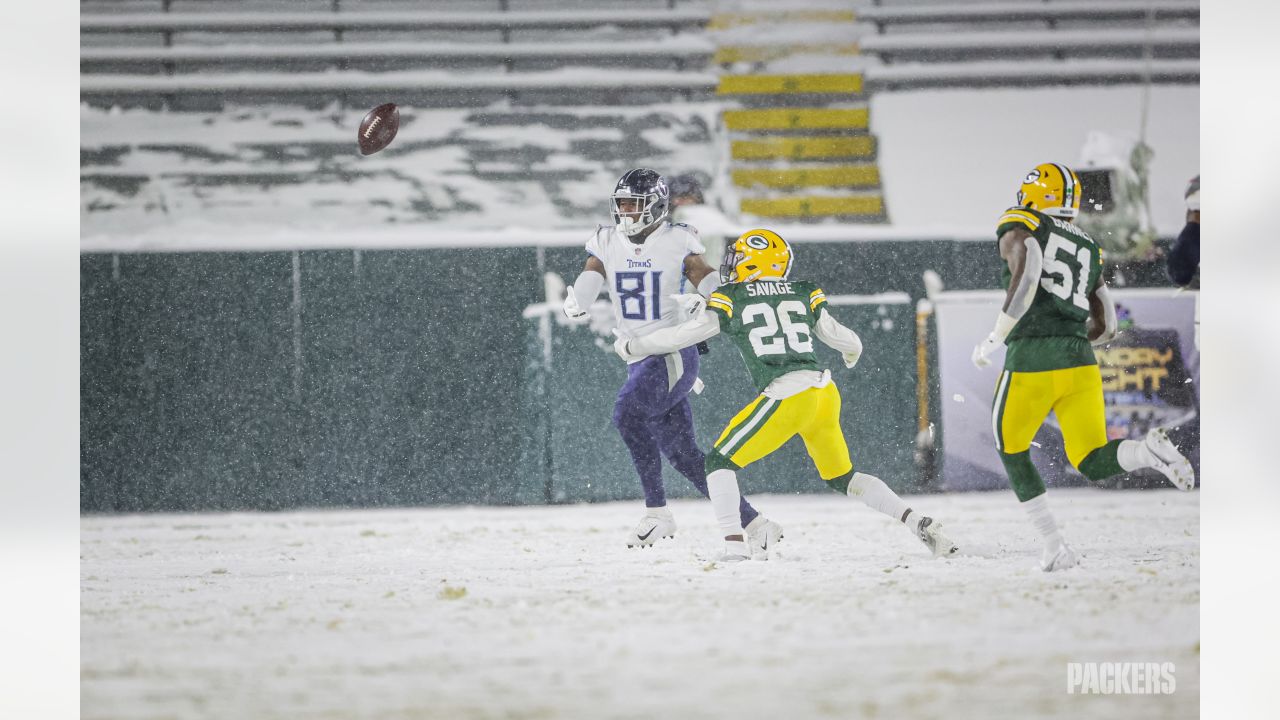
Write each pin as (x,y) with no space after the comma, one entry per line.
(1080,460)
(691,457)
(623,418)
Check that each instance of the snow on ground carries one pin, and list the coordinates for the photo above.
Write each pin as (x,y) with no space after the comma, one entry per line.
(540,612)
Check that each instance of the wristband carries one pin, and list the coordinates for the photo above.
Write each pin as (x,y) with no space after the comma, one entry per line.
(1004,325)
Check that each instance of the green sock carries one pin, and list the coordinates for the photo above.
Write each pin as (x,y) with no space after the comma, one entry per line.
(1022,475)
(716,461)
(840,484)
(1102,462)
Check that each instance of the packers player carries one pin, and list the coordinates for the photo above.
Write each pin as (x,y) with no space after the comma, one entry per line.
(773,320)
(1057,305)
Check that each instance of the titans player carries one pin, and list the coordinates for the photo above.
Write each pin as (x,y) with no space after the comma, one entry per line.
(642,259)
(773,321)
(1057,305)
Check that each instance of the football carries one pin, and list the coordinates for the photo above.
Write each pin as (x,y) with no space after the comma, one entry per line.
(378,128)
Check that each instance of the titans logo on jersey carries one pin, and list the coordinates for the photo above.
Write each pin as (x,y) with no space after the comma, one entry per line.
(640,276)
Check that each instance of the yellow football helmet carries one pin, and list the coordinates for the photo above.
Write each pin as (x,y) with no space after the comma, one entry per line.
(1052,189)
(757,255)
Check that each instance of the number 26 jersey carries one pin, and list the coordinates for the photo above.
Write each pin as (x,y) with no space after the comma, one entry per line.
(771,322)
(640,276)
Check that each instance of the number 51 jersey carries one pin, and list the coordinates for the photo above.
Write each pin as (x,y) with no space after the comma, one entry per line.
(640,276)
(1052,334)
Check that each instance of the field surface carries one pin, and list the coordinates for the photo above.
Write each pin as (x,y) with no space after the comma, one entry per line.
(541,612)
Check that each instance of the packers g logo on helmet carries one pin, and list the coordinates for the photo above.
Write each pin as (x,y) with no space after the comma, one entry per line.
(1052,189)
(757,255)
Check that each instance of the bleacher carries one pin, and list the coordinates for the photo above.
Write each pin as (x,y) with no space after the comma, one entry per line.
(196,107)
(811,60)
(242,112)
(198,60)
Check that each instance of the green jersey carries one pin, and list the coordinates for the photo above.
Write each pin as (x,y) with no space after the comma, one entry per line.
(771,322)
(1052,334)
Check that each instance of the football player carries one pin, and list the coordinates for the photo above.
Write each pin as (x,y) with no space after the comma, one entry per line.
(643,258)
(773,321)
(1056,306)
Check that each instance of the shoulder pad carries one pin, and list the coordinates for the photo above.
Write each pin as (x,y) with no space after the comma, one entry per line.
(1021,216)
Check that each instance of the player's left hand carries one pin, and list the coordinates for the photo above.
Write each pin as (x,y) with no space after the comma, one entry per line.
(984,350)
(850,359)
(691,305)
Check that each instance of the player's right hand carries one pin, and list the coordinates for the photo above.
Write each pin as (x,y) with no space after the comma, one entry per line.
(571,308)
(984,350)
(850,359)
(620,347)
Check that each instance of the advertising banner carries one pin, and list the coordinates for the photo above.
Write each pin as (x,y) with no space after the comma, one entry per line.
(1150,378)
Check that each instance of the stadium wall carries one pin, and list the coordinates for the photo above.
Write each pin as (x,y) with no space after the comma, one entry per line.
(313,378)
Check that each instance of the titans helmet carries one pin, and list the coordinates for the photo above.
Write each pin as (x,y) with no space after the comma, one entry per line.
(647,199)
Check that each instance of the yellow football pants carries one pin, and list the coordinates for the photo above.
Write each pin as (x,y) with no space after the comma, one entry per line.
(766,424)
(1024,399)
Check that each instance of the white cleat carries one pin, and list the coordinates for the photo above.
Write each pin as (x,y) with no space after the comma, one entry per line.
(763,534)
(1058,557)
(1170,462)
(930,533)
(656,524)
(734,551)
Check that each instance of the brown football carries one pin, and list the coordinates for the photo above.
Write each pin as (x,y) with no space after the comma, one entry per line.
(378,128)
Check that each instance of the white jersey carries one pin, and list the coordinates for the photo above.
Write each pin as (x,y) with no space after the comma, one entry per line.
(640,276)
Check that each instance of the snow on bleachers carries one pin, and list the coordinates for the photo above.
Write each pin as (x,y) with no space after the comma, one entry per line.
(161,175)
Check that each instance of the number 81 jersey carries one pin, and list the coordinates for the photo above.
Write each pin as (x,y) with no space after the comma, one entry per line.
(771,322)
(640,276)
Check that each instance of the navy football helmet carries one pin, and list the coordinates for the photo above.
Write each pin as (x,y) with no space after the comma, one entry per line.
(640,201)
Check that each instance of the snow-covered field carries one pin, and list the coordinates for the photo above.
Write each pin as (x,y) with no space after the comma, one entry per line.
(540,612)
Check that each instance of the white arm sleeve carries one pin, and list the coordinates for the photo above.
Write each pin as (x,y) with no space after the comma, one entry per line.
(1025,290)
(830,331)
(709,283)
(1108,315)
(587,287)
(670,339)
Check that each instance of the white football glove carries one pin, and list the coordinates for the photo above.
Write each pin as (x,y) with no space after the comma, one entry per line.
(850,359)
(984,350)
(620,347)
(690,305)
(571,309)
